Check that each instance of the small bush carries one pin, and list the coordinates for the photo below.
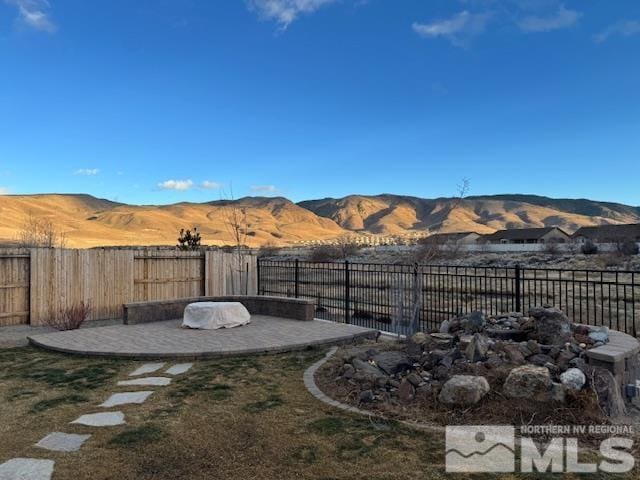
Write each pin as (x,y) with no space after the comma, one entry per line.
(589,248)
(71,318)
(627,248)
(324,253)
(551,248)
(268,250)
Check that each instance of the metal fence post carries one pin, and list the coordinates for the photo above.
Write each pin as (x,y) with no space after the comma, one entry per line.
(347,299)
(518,290)
(296,279)
(258,274)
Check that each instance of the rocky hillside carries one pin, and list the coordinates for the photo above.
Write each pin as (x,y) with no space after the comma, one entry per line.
(87,221)
(394,214)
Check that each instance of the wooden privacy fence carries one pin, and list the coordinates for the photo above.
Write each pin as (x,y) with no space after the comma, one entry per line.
(36,284)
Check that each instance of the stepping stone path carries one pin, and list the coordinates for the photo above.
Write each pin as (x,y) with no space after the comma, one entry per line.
(39,469)
(26,469)
(105,419)
(146,382)
(126,398)
(63,442)
(179,368)
(146,369)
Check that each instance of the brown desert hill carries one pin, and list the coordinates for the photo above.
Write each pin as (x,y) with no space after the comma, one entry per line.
(396,214)
(87,221)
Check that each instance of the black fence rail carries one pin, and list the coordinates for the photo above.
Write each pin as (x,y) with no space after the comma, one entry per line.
(388,297)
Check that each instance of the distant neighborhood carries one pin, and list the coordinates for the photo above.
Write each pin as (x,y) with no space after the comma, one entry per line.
(601,234)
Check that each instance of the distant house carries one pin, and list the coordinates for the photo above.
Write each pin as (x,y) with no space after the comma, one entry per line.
(608,233)
(527,235)
(457,238)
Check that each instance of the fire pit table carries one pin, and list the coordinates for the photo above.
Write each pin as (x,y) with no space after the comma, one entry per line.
(214,315)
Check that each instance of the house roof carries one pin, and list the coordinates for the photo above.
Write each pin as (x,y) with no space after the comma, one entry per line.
(522,234)
(604,233)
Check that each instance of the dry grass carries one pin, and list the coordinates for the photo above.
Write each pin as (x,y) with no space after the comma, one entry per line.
(243,418)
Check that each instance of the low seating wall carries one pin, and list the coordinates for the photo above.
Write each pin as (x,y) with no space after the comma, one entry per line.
(156,311)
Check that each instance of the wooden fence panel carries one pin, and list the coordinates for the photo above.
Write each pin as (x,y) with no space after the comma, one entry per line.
(36,284)
(162,275)
(61,278)
(14,287)
(229,275)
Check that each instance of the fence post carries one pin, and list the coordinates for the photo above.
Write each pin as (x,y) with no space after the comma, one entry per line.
(518,290)
(347,299)
(258,274)
(297,279)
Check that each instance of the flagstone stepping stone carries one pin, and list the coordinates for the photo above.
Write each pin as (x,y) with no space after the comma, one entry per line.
(179,368)
(147,368)
(147,381)
(125,398)
(105,419)
(26,469)
(62,442)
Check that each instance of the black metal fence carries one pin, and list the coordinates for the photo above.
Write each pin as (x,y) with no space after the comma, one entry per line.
(384,296)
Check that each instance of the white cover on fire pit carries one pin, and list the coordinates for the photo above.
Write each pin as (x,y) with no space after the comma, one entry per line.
(213,315)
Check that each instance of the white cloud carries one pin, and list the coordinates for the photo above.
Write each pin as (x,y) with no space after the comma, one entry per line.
(35,14)
(264,188)
(180,185)
(625,29)
(209,185)
(285,11)
(458,29)
(563,18)
(89,172)
(4,191)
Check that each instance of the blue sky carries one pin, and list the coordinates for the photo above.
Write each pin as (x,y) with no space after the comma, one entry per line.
(158,101)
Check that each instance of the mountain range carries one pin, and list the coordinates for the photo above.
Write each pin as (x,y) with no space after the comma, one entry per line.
(87,221)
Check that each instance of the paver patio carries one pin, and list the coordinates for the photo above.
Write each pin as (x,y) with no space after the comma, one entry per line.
(167,339)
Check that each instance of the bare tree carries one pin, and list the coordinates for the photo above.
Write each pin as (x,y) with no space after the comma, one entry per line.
(41,233)
(237,224)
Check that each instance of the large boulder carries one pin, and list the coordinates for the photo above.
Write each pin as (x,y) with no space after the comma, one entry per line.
(529,382)
(464,390)
(552,326)
(392,362)
(573,379)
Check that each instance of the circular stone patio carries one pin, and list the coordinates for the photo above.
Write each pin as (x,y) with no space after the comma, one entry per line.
(167,339)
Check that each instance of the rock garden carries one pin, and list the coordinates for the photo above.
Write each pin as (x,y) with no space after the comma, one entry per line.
(507,368)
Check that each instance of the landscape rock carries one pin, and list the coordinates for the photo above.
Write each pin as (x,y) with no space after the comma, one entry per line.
(600,334)
(366,396)
(558,392)
(514,354)
(464,390)
(552,326)
(573,379)
(392,362)
(406,391)
(445,326)
(367,369)
(528,381)
(609,395)
(478,348)
(475,322)
(540,359)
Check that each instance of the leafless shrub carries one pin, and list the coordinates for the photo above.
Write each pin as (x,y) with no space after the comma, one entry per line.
(40,233)
(324,253)
(70,318)
(346,247)
(269,249)
(429,252)
(589,248)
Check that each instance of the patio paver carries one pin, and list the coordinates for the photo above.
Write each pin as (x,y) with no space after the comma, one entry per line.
(26,469)
(63,442)
(179,368)
(104,419)
(146,369)
(125,398)
(146,382)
